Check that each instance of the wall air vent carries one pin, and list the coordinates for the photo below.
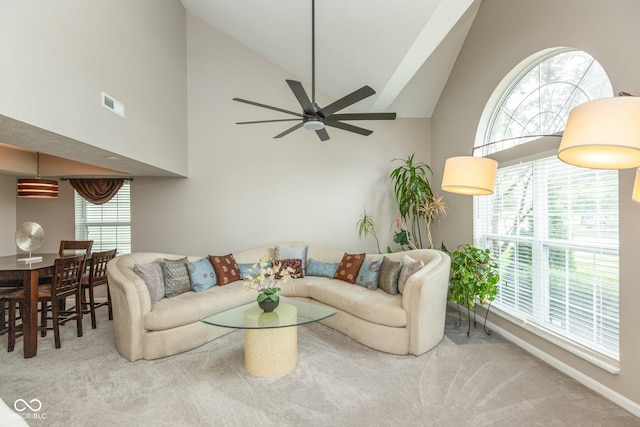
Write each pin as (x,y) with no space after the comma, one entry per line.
(112,104)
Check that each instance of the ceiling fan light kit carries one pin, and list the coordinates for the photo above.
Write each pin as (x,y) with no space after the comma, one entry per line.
(315,118)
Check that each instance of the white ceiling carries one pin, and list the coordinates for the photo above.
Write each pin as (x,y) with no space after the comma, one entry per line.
(403,49)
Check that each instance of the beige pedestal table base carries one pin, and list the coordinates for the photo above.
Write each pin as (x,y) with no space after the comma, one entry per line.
(270,352)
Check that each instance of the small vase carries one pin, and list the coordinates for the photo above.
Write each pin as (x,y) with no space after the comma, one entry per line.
(269,305)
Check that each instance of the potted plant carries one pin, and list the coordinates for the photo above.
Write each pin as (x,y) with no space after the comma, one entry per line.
(265,277)
(415,201)
(367,227)
(473,276)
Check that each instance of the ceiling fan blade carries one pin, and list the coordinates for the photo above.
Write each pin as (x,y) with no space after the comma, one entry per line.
(350,128)
(322,134)
(267,121)
(288,131)
(345,101)
(301,96)
(267,106)
(361,116)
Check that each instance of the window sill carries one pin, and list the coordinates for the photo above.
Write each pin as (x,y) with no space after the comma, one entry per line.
(600,360)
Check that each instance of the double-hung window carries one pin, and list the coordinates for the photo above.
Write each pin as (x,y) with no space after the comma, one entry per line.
(552,227)
(108,225)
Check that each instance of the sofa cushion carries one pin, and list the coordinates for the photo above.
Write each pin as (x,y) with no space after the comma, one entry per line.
(409,267)
(188,307)
(389,274)
(349,267)
(153,277)
(373,306)
(369,272)
(292,252)
(201,275)
(176,276)
(323,269)
(226,268)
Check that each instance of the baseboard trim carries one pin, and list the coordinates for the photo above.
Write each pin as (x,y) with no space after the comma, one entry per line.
(583,379)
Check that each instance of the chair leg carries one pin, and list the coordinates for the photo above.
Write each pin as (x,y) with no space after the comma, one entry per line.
(12,326)
(79,313)
(92,307)
(44,308)
(3,320)
(109,303)
(55,308)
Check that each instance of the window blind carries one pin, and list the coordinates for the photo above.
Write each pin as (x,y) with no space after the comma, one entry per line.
(108,225)
(554,230)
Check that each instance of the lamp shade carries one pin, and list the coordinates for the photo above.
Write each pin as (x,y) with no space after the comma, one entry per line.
(36,188)
(603,134)
(469,175)
(636,187)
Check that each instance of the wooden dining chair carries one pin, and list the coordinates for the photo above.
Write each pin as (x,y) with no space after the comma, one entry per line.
(75,247)
(96,276)
(52,297)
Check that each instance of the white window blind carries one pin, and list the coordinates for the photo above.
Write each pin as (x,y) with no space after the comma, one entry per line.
(109,224)
(554,230)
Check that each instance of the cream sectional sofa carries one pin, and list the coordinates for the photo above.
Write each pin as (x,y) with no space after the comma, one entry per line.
(408,323)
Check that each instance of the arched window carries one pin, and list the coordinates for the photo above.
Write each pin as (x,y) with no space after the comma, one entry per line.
(553,227)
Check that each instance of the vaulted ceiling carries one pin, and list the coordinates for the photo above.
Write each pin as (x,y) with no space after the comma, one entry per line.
(403,49)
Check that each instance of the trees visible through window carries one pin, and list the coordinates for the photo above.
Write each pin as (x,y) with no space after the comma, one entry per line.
(553,227)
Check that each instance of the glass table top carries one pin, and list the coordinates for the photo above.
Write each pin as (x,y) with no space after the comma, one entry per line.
(290,312)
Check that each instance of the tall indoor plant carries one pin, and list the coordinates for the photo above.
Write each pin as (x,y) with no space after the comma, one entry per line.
(415,201)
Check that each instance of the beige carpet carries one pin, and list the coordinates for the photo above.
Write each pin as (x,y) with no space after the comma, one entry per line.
(477,381)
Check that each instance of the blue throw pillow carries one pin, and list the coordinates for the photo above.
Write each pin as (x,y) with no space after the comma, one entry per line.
(201,275)
(247,267)
(324,269)
(369,272)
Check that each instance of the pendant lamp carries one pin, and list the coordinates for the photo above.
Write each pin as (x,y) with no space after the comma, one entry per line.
(36,188)
(469,175)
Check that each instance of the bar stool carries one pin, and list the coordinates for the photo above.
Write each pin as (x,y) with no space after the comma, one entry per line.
(96,276)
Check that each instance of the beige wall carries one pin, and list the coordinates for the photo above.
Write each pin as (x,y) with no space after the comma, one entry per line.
(59,55)
(7,215)
(247,189)
(504,33)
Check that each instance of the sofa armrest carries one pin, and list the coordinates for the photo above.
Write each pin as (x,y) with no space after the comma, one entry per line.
(425,300)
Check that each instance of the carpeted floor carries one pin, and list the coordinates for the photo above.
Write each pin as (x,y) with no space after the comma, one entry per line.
(476,381)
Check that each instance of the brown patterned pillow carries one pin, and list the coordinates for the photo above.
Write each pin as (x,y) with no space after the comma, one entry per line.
(294,263)
(349,267)
(389,274)
(226,269)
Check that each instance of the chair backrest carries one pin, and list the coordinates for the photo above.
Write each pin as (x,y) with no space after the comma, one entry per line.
(75,247)
(98,267)
(67,275)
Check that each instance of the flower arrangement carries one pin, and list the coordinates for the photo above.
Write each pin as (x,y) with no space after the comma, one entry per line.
(265,276)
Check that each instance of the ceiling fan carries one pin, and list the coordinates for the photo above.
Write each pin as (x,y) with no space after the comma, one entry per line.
(315,118)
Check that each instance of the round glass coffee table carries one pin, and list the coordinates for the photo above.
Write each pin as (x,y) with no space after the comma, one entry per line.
(270,339)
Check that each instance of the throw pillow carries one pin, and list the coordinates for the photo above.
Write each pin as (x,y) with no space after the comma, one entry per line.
(226,268)
(294,263)
(176,276)
(409,266)
(246,268)
(369,272)
(323,269)
(201,275)
(389,274)
(349,267)
(292,252)
(153,277)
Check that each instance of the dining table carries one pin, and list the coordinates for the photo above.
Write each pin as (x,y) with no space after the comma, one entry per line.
(13,270)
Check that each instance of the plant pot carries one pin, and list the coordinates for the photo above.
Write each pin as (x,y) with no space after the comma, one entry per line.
(269,305)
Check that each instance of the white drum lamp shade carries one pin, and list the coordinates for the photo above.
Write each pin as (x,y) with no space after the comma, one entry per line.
(603,134)
(469,175)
